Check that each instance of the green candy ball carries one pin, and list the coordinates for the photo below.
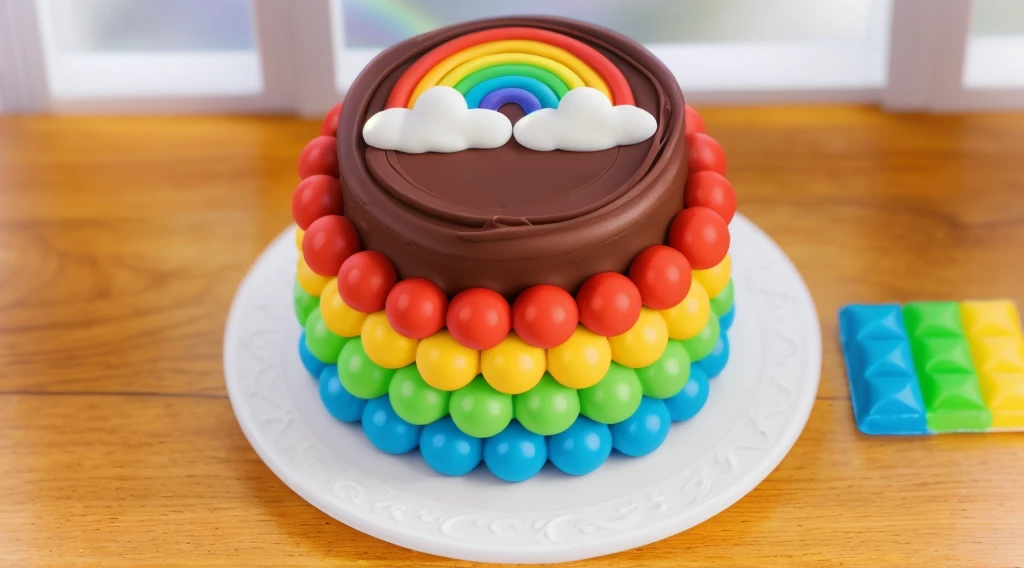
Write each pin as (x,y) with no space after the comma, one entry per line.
(414,400)
(305,303)
(359,375)
(614,398)
(668,375)
(548,408)
(322,342)
(701,345)
(722,303)
(479,410)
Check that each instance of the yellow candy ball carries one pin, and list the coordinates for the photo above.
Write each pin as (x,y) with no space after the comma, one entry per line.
(513,366)
(644,343)
(446,364)
(338,316)
(310,281)
(385,346)
(687,318)
(716,278)
(582,360)
(299,233)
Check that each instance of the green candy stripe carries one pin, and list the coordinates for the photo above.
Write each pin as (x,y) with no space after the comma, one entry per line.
(722,303)
(702,344)
(304,303)
(513,69)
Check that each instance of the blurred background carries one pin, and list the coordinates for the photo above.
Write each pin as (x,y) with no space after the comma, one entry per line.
(178,56)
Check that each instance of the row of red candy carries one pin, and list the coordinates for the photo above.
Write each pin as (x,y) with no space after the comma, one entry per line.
(543,316)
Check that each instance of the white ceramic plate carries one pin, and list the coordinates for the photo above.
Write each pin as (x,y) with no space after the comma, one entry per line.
(756,411)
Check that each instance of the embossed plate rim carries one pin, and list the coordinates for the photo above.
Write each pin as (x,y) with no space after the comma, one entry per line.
(750,450)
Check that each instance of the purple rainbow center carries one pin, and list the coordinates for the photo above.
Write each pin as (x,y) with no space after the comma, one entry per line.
(500,97)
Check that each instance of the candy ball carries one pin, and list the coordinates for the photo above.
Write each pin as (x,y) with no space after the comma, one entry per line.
(609,303)
(715,279)
(582,448)
(687,318)
(662,275)
(644,431)
(643,343)
(329,125)
(722,303)
(446,364)
(688,402)
(545,316)
(704,153)
(385,346)
(711,189)
(479,318)
(715,362)
(386,430)
(666,376)
(304,302)
(701,235)
(313,365)
(512,366)
(448,450)
(414,400)
(328,242)
(548,408)
(299,233)
(320,156)
(416,307)
(580,361)
(322,342)
(311,282)
(315,197)
(614,398)
(694,122)
(479,410)
(338,316)
(339,402)
(359,375)
(516,454)
(701,345)
(726,320)
(364,280)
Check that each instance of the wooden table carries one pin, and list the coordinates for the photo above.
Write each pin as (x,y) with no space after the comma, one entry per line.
(122,241)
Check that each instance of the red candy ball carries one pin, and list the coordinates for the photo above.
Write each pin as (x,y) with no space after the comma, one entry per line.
(416,308)
(329,127)
(694,123)
(328,242)
(545,316)
(315,197)
(479,318)
(662,275)
(320,156)
(704,153)
(701,235)
(711,190)
(365,279)
(609,303)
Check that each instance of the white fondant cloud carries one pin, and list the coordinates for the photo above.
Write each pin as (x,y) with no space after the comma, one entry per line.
(585,121)
(438,122)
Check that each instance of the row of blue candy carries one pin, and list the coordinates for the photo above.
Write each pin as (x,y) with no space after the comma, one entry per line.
(516,454)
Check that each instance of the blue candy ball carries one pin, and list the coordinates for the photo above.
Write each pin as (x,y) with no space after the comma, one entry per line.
(515,453)
(714,363)
(691,399)
(338,401)
(644,431)
(449,450)
(386,430)
(725,322)
(581,448)
(313,365)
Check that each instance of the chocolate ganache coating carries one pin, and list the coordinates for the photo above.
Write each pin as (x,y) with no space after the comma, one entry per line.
(509,218)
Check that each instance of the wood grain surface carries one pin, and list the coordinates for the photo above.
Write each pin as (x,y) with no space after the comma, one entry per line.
(122,241)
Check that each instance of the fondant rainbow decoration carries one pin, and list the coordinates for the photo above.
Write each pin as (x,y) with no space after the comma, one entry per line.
(530,67)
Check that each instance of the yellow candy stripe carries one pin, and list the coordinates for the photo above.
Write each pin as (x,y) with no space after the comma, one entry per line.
(643,343)
(299,233)
(687,318)
(513,366)
(338,316)
(716,278)
(582,360)
(515,46)
(996,341)
(446,364)
(567,75)
(310,281)
(385,346)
